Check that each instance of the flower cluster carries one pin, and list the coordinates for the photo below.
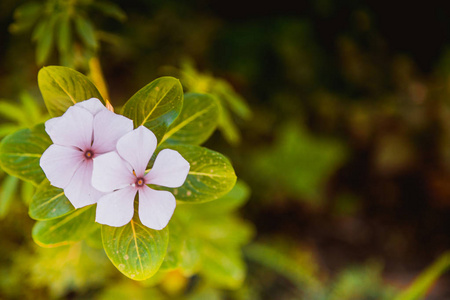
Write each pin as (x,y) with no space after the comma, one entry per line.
(97,157)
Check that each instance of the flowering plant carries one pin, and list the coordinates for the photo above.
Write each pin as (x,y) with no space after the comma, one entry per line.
(88,163)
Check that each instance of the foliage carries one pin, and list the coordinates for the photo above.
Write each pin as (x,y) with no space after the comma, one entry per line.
(298,264)
(419,287)
(26,114)
(345,148)
(208,239)
(231,103)
(298,163)
(64,25)
(156,106)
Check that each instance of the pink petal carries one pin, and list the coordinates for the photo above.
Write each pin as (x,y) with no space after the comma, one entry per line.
(92,105)
(155,207)
(111,172)
(137,148)
(108,128)
(59,163)
(80,191)
(116,209)
(73,128)
(170,169)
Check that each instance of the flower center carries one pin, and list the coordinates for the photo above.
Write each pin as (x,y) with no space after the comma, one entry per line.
(88,154)
(140,182)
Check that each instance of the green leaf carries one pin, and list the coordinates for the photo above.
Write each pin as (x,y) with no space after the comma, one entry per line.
(299,163)
(65,42)
(26,192)
(94,239)
(28,10)
(64,33)
(236,103)
(49,202)
(156,105)
(191,259)
(67,229)
(39,30)
(8,189)
(135,250)
(6,129)
(45,41)
(196,233)
(12,112)
(422,284)
(211,175)
(227,127)
(174,256)
(85,31)
(31,110)
(227,203)
(300,269)
(21,151)
(62,87)
(223,266)
(110,9)
(25,16)
(197,121)
(183,251)
(227,230)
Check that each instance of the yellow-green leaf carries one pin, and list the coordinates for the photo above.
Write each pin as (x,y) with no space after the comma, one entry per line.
(156,105)
(21,151)
(136,251)
(70,228)
(49,202)
(62,87)
(210,176)
(197,121)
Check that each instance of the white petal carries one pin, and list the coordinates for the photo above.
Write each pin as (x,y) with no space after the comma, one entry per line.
(170,169)
(59,163)
(137,148)
(116,209)
(108,128)
(80,191)
(111,172)
(74,128)
(155,207)
(93,105)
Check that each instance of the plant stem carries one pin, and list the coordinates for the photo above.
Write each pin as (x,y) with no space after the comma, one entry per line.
(97,77)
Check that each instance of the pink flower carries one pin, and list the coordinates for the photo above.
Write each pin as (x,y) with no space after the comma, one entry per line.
(122,174)
(86,130)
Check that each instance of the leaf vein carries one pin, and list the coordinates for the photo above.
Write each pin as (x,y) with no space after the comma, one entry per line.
(136,245)
(184,123)
(68,218)
(207,174)
(50,200)
(22,154)
(154,107)
(64,90)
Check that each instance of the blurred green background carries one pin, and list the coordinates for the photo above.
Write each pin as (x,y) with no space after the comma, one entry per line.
(336,118)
